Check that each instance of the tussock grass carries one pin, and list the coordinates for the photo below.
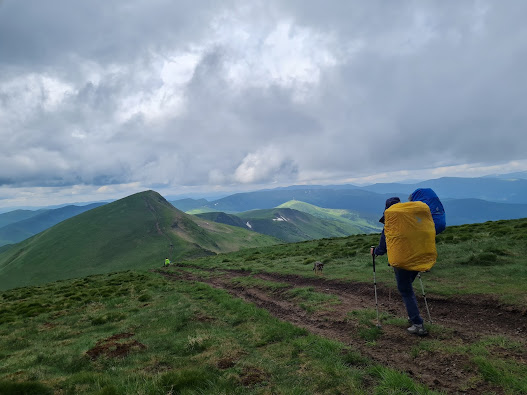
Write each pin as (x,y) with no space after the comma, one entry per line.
(185,338)
(367,323)
(394,382)
(311,300)
(512,376)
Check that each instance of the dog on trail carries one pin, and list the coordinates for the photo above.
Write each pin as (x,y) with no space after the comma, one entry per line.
(317,267)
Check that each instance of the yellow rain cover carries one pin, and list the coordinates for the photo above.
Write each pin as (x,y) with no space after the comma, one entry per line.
(410,236)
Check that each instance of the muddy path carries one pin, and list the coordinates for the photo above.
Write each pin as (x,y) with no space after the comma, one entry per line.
(459,323)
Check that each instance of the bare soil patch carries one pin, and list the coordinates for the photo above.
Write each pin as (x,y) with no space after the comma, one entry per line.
(463,320)
(115,347)
(252,375)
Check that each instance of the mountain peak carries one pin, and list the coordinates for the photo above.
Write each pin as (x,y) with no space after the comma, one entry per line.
(138,231)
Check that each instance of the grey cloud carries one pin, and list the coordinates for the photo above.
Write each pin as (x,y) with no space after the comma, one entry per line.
(413,85)
(34,34)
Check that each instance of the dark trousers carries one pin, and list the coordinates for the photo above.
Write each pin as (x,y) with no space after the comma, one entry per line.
(405,278)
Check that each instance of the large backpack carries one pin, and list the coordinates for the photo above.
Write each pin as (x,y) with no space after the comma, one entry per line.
(429,197)
(410,236)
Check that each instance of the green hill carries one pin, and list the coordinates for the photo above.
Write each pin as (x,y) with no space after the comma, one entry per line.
(135,232)
(292,225)
(224,218)
(361,223)
(189,204)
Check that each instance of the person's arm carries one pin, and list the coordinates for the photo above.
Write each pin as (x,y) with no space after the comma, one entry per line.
(381,248)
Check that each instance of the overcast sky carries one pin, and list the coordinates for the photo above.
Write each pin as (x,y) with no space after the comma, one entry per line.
(103,98)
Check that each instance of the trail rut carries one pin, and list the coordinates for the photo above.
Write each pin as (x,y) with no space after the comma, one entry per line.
(463,321)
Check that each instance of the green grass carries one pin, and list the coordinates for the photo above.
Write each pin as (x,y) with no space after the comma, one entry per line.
(486,258)
(294,225)
(187,337)
(394,382)
(367,323)
(68,337)
(506,371)
(506,374)
(354,220)
(310,300)
(253,282)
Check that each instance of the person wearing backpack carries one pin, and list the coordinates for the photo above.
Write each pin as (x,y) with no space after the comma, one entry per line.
(404,278)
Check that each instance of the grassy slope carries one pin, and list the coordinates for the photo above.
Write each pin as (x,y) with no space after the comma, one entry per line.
(292,225)
(176,337)
(358,223)
(134,232)
(224,218)
(201,340)
(486,258)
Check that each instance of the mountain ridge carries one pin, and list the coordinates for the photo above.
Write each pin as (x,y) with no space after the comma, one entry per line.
(138,231)
(42,220)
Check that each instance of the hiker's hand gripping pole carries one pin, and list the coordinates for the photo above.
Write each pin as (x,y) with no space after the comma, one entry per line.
(372,252)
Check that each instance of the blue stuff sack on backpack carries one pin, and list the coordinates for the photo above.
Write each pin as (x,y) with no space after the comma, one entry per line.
(428,196)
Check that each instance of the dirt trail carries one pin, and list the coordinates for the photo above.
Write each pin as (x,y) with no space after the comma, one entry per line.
(465,319)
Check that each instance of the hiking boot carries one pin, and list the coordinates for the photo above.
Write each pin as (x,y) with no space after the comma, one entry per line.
(418,329)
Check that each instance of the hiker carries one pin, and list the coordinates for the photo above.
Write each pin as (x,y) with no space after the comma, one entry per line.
(404,278)
(167,262)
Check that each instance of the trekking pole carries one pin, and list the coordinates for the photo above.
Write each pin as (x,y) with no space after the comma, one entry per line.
(424,296)
(375,288)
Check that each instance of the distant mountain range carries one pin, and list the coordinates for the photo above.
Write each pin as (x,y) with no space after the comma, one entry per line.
(138,231)
(466,200)
(356,209)
(469,211)
(17,215)
(21,224)
(291,225)
(513,190)
(348,199)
